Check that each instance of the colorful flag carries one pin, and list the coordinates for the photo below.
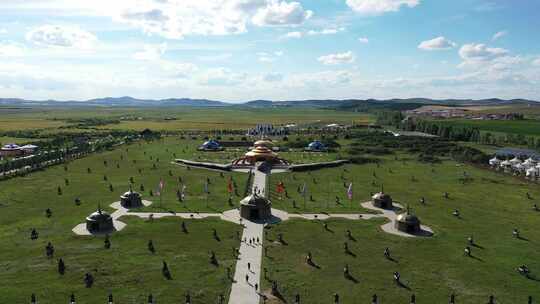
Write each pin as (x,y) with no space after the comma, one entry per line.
(304,190)
(280,187)
(160,187)
(230,186)
(183,193)
(206,187)
(350,191)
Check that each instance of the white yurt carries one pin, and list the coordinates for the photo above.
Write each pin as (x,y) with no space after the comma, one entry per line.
(519,167)
(506,164)
(529,162)
(494,162)
(532,172)
(515,161)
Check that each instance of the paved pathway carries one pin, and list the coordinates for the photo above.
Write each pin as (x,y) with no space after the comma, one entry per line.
(243,291)
(243,288)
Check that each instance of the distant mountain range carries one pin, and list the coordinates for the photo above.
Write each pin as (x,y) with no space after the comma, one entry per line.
(127,101)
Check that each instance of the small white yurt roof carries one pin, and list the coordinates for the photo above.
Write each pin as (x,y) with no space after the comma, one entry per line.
(494,160)
(515,160)
(506,163)
(530,161)
(29,147)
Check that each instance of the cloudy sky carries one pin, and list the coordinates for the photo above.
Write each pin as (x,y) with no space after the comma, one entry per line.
(238,50)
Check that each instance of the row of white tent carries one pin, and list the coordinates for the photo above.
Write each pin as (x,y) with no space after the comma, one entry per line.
(530,166)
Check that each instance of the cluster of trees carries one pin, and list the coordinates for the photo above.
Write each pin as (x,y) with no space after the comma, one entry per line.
(428,149)
(444,130)
(389,118)
(41,160)
(449,131)
(63,147)
(91,122)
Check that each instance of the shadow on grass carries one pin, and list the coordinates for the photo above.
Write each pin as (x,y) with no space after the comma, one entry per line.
(351,278)
(403,285)
(476,258)
(477,246)
(313,264)
(348,252)
(391,259)
(523,238)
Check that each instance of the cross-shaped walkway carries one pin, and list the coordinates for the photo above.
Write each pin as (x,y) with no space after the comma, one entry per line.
(246,278)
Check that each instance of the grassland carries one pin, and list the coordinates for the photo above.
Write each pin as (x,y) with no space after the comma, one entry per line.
(183,118)
(528,127)
(128,269)
(491,205)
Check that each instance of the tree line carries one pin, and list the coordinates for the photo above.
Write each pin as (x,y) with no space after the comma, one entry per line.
(453,132)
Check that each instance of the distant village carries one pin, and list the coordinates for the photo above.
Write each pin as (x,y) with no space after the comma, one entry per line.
(437,112)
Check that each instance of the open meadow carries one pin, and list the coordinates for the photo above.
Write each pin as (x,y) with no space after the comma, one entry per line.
(184,118)
(491,204)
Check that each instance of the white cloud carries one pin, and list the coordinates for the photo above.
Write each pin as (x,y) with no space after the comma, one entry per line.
(151,52)
(499,35)
(363,40)
(295,35)
(221,77)
(536,62)
(3,31)
(216,57)
(479,51)
(325,31)
(438,43)
(378,7)
(178,69)
(318,80)
(328,31)
(265,57)
(339,58)
(492,64)
(62,36)
(281,13)
(269,57)
(11,49)
(175,19)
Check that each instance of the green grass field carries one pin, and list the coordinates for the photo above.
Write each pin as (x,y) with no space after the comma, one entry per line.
(523,127)
(491,204)
(128,269)
(186,118)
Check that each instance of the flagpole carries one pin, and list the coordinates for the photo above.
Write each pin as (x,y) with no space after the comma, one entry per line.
(352,193)
(160,193)
(304,194)
(207,190)
(327,195)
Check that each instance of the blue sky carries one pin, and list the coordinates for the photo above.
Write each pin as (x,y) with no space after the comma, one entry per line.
(237,50)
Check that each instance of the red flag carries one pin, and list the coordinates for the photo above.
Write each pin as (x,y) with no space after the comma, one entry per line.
(230,186)
(280,187)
